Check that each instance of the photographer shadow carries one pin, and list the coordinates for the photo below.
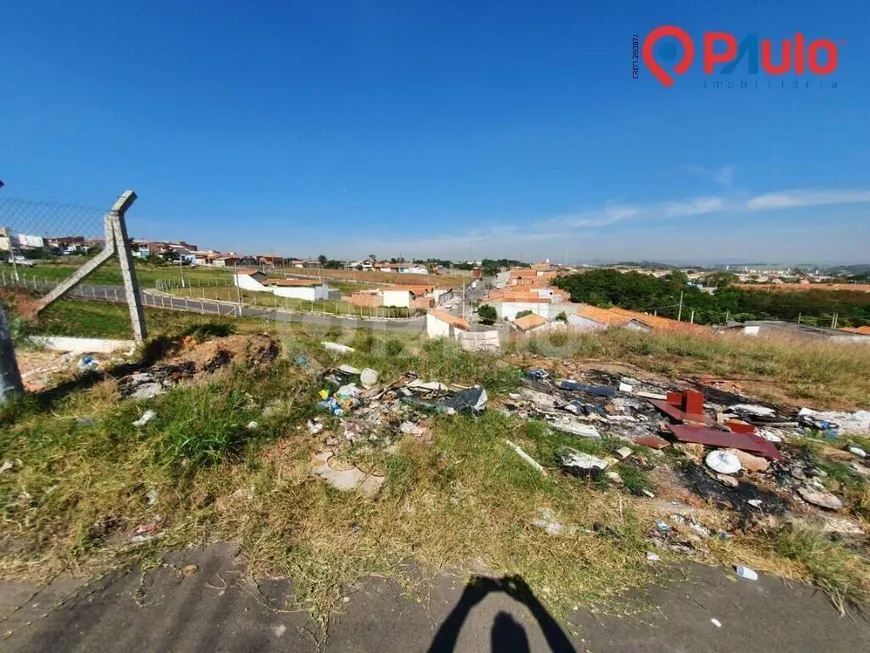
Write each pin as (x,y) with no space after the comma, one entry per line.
(506,634)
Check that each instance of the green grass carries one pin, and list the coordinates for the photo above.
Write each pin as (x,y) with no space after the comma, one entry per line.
(842,574)
(107,320)
(110,273)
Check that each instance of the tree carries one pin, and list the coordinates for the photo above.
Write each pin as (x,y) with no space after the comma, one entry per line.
(562,317)
(523,314)
(373,258)
(487,314)
(322,260)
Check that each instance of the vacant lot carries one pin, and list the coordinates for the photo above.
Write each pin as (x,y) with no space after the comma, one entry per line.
(227,456)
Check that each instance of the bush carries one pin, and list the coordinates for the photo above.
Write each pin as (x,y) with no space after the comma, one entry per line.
(562,317)
(487,314)
(523,314)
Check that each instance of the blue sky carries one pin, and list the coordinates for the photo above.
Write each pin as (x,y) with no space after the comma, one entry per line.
(449,128)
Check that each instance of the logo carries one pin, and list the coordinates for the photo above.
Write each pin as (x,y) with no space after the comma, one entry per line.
(677,52)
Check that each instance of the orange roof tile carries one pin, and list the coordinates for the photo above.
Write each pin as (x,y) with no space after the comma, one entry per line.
(528,322)
(656,322)
(249,272)
(456,321)
(601,315)
(863,330)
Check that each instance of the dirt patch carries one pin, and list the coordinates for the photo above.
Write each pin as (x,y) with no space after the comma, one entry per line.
(198,360)
(21,302)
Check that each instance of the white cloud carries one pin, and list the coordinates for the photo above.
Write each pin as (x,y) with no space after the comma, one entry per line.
(802,198)
(696,206)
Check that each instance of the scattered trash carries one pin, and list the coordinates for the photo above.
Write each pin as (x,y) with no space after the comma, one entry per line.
(597,390)
(538,374)
(85,421)
(749,462)
(752,410)
(662,526)
(716,438)
(147,416)
(582,464)
(151,497)
(368,377)
(252,425)
(652,441)
(472,400)
(349,369)
(300,361)
(623,452)
(6,466)
(723,462)
(857,422)
(337,348)
(755,503)
(820,498)
(652,557)
(858,451)
(716,622)
(730,481)
(648,493)
(314,427)
(746,572)
(574,428)
(625,387)
(522,454)
(88,363)
(613,477)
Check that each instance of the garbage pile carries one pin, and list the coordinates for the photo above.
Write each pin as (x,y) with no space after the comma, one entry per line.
(383,413)
(735,454)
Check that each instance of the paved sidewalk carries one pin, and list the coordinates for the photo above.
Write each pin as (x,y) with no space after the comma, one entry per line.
(215,609)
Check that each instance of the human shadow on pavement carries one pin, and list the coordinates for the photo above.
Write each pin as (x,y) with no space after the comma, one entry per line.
(506,634)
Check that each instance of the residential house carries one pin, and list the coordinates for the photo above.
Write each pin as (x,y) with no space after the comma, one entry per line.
(270,260)
(592,318)
(67,244)
(441,324)
(366,298)
(530,323)
(410,297)
(27,241)
(250,280)
(5,240)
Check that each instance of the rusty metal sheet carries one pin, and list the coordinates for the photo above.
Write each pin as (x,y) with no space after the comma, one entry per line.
(653,441)
(675,413)
(725,439)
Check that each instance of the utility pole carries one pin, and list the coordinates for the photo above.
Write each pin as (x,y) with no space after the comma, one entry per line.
(692,317)
(680,312)
(181,268)
(463,300)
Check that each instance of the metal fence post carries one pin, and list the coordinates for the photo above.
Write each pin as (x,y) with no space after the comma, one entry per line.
(128,269)
(10,377)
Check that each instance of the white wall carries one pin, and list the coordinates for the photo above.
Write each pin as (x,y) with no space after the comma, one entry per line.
(248,282)
(436,328)
(400,298)
(509,310)
(308,293)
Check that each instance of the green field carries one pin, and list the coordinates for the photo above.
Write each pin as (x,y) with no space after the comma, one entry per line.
(110,273)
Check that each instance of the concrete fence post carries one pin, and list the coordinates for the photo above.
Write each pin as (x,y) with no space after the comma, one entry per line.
(128,268)
(10,377)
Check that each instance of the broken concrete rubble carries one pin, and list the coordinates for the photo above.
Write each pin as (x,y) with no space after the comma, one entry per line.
(577,463)
(348,480)
(820,498)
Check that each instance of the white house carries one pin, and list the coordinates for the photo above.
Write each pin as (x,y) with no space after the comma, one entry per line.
(403,296)
(311,290)
(250,280)
(441,324)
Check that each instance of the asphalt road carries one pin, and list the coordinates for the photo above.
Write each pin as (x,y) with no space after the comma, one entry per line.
(218,608)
